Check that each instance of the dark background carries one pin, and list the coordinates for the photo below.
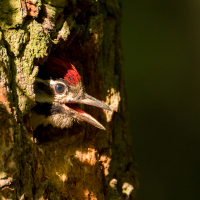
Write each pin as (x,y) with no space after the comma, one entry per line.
(161,44)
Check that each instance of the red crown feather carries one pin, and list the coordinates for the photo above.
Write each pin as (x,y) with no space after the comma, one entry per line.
(63,68)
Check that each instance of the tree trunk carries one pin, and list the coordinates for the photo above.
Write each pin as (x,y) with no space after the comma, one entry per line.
(82,162)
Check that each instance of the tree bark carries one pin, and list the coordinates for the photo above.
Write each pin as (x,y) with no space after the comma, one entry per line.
(82,162)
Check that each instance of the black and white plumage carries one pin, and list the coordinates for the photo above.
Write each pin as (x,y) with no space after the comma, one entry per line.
(57,88)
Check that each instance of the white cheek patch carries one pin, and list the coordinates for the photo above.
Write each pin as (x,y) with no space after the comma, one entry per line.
(68,95)
(63,98)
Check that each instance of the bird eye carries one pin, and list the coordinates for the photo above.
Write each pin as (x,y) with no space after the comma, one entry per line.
(59,88)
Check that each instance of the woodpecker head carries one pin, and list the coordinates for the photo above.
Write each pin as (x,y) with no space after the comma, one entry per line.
(57,89)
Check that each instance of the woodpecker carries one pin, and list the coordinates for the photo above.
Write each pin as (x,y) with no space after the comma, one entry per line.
(57,89)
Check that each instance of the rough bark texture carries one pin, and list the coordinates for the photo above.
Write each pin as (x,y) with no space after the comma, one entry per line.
(82,162)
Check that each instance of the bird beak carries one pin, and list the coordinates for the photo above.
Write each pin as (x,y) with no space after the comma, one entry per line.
(89,100)
(83,116)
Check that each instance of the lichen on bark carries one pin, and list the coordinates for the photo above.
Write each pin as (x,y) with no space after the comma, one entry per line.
(11,14)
